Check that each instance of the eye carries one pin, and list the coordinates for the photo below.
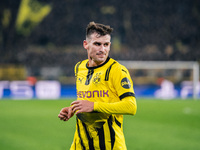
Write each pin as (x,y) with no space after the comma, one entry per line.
(97,43)
(106,44)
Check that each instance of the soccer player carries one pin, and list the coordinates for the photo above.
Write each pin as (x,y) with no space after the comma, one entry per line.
(104,94)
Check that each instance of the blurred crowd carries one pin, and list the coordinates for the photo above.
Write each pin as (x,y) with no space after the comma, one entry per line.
(143,30)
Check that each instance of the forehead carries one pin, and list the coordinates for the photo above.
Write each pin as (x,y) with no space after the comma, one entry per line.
(95,37)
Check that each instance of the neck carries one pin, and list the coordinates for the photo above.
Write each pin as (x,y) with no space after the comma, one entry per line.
(94,64)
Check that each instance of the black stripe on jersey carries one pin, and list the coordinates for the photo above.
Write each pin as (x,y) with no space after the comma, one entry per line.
(101,138)
(112,132)
(90,140)
(118,123)
(126,94)
(108,72)
(80,134)
(89,76)
(124,70)
(76,71)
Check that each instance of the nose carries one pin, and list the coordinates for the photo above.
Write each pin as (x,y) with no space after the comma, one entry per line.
(102,48)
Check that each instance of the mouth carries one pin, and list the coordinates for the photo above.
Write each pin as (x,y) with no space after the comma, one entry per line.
(100,54)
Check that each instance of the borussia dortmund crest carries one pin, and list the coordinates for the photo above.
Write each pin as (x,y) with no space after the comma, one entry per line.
(97,78)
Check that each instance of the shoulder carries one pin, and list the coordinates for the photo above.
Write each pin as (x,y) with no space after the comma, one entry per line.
(82,63)
(79,65)
(116,71)
(118,67)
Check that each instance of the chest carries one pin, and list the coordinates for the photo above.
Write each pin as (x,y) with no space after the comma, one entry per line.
(91,79)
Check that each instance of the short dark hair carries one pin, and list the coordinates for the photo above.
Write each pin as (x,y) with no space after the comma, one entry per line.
(98,28)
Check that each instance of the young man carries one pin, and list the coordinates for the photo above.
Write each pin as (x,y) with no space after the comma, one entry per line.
(104,94)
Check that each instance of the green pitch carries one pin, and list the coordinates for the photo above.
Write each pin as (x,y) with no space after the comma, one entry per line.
(158,124)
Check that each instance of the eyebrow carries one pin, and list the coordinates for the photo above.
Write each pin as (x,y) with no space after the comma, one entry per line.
(101,43)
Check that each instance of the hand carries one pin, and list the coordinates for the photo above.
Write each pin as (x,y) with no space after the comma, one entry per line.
(66,113)
(82,106)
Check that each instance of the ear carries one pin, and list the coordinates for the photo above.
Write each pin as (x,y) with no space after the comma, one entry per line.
(85,44)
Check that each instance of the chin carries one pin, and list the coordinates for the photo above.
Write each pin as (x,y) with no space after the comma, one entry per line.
(101,60)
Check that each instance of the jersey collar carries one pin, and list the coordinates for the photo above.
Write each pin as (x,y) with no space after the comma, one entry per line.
(99,65)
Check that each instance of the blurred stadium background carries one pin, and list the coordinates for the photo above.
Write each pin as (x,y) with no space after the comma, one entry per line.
(41,40)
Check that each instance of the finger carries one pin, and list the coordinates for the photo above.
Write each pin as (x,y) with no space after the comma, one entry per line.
(78,112)
(64,110)
(61,117)
(69,113)
(76,108)
(64,114)
(65,119)
(75,102)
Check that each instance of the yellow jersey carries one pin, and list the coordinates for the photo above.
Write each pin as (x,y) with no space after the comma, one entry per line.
(110,87)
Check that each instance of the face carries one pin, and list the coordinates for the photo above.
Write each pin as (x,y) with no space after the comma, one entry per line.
(98,48)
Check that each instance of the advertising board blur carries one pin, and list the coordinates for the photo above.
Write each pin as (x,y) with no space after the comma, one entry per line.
(40,90)
(48,89)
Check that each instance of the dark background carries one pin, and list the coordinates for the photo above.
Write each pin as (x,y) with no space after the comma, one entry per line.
(143,30)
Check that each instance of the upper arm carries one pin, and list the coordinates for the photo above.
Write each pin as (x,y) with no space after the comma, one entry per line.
(122,81)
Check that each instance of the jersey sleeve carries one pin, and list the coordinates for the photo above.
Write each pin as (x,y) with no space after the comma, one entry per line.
(122,81)
(123,85)
(127,106)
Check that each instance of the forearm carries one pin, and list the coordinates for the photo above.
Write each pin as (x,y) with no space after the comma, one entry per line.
(126,106)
